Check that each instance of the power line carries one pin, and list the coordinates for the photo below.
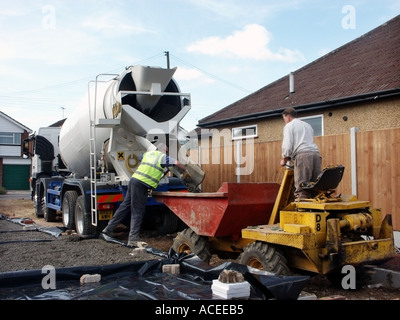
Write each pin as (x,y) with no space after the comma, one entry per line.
(162,54)
(212,75)
(73,82)
(20,100)
(37,90)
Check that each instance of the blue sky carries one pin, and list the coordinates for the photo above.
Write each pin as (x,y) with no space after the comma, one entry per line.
(224,49)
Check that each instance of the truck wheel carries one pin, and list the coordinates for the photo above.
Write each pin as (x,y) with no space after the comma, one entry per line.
(83,221)
(263,256)
(50,215)
(189,242)
(68,213)
(166,222)
(38,199)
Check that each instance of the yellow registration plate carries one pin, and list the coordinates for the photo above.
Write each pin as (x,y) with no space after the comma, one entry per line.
(105,215)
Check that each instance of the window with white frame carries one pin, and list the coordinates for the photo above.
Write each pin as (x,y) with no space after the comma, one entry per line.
(244,132)
(10,138)
(317,123)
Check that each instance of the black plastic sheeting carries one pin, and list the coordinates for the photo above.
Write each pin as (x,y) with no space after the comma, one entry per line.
(54,231)
(145,281)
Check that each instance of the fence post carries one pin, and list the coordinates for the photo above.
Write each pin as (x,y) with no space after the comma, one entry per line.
(238,156)
(353,155)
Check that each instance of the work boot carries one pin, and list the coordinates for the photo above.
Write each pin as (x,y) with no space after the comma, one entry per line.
(109,233)
(137,243)
(302,196)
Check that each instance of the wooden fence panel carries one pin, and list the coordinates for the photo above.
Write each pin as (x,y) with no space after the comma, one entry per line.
(335,150)
(378,171)
(377,166)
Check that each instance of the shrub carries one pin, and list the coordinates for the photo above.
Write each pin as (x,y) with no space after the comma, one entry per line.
(2,190)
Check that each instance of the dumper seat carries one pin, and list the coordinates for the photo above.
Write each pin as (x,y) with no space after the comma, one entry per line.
(326,182)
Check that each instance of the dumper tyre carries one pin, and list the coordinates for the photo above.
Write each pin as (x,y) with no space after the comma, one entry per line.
(189,242)
(83,221)
(264,256)
(68,205)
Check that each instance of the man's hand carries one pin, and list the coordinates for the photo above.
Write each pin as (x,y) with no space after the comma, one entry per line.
(181,167)
(284,161)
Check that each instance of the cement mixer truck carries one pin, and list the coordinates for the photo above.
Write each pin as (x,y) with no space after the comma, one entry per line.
(81,168)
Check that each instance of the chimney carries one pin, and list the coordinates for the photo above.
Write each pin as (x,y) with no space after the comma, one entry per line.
(291,83)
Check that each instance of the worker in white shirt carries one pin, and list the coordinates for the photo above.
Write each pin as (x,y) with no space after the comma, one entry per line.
(298,146)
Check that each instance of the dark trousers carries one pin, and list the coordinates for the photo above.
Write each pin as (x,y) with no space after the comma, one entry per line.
(134,205)
(307,167)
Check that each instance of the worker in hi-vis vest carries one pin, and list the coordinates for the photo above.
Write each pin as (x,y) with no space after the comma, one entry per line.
(145,178)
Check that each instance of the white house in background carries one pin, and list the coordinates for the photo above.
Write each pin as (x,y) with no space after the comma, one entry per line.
(14,169)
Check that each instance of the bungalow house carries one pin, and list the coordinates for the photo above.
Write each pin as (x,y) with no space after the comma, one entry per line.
(350,96)
(356,85)
(14,169)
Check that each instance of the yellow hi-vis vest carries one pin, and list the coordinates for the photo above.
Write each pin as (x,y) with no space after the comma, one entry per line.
(150,171)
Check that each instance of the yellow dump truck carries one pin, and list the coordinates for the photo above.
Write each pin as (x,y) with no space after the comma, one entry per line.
(263,225)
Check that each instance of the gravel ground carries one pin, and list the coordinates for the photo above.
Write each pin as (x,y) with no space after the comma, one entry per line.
(22,248)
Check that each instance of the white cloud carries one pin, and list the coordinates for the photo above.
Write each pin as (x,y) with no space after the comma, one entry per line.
(187,74)
(59,41)
(222,8)
(8,71)
(4,12)
(247,10)
(250,43)
(192,77)
(110,22)
(59,46)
